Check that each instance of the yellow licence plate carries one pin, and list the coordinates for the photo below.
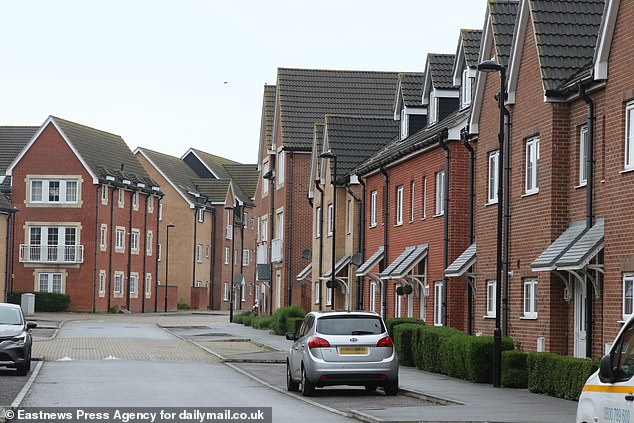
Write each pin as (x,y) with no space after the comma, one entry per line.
(353,350)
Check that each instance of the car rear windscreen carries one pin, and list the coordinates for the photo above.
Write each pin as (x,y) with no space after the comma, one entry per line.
(350,325)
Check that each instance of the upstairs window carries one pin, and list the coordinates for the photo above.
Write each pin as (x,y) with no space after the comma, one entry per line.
(399,205)
(280,169)
(628,296)
(373,198)
(440,193)
(629,136)
(265,182)
(318,224)
(432,108)
(494,163)
(583,155)
(491,302)
(404,124)
(54,191)
(532,165)
(330,219)
(465,88)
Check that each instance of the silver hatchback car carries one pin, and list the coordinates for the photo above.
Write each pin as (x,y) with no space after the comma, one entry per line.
(341,348)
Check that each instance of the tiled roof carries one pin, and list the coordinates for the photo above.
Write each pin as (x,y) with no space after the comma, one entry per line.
(5,205)
(174,169)
(268,113)
(307,95)
(412,88)
(400,148)
(566,33)
(503,15)
(244,176)
(471,39)
(214,163)
(215,189)
(441,68)
(353,139)
(13,139)
(319,142)
(106,154)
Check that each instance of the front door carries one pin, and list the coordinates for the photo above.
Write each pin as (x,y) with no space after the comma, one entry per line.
(580,319)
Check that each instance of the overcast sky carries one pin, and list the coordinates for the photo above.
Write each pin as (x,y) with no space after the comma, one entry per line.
(169,75)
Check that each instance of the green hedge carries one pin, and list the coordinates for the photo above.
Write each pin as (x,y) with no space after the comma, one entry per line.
(403,342)
(392,322)
(514,369)
(294,323)
(281,323)
(558,376)
(243,318)
(427,343)
(263,322)
(44,301)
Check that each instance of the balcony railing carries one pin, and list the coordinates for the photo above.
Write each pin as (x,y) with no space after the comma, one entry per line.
(263,254)
(276,250)
(229,234)
(51,253)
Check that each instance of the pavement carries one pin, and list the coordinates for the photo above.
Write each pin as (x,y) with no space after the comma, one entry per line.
(236,344)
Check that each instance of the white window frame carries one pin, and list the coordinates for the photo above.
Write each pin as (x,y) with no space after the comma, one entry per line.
(532,166)
(279,169)
(398,303)
(628,295)
(51,279)
(134,285)
(629,136)
(438,293)
(103,237)
(159,252)
(318,223)
(117,286)
(466,87)
(102,283)
(373,204)
(372,298)
(583,154)
(491,302)
(328,296)
(349,220)
(135,236)
(265,229)
(530,298)
(65,194)
(331,222)
(150,203)
(424,197)
(225,291)
(120,239)
(412,193)
(200,215)
(245,257)
(135,201)
(265,182)
(493,182)
(227,255)
(399,205)
(440,193)
(121,198)
(317,291)
(199,253)
(404,124)
(104,195)
(149,240)
(432,108)
(148,285)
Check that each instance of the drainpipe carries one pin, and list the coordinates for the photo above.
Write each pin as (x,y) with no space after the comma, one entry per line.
(506,220)
(386,215)
(195,248)
(156,251)
(242,223)
(465,139)
(359,241)
(96,265)
(321,242)
(289,232)
(362,223)
(7,276)
(271,229)
(442,142)
(589,209)
(212,264)
(111,246)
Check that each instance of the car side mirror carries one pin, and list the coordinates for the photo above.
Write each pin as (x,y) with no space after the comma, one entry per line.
(606,370)
(291,336)
(31,325)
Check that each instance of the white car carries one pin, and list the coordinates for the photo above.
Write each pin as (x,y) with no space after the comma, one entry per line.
(341,348)
(608,395)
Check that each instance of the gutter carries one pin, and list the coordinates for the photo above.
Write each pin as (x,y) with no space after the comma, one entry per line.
(321,242)
(442,141)
(466,136)
(359,242)
(289,224)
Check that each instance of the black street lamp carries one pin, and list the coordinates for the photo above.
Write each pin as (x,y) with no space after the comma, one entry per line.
(167,259)
(492,66)
(330,155)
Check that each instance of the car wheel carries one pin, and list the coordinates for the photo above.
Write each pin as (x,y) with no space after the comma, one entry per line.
(308,388)
(25,368)
(291,385)
(370,388)
(391,388)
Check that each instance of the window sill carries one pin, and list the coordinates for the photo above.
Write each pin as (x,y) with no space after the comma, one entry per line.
(398,224)
(528,318)
(488,317)
(373,226)
(491,203)
(583,185)
(530,194)
(439,214)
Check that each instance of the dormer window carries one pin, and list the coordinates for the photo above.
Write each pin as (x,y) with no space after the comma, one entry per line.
(404,124)
(465,88)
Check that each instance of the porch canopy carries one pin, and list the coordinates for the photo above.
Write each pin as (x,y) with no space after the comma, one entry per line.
(405,262)
(572,252)
(305,272)
(341,263)
(460,266)
(364,269)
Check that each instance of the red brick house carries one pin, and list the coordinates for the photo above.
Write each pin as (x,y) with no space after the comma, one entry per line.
(87,225)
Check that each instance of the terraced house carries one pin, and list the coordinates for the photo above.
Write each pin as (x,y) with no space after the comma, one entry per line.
(302,98)
(87,219)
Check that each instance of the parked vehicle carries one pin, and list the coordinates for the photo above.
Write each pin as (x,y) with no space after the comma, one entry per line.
(341,348)
(15,339)
(608,395)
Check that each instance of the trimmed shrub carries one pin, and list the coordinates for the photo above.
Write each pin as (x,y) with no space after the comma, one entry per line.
(294,323)
(479,357)
(453,356)
(558,376)
(427,343)
(282,315)
(44,301)
(264,322)
(514,369)
(403,337)
(240,317)
(394,321)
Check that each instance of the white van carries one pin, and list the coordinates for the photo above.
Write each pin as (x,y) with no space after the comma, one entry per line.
(608,395)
